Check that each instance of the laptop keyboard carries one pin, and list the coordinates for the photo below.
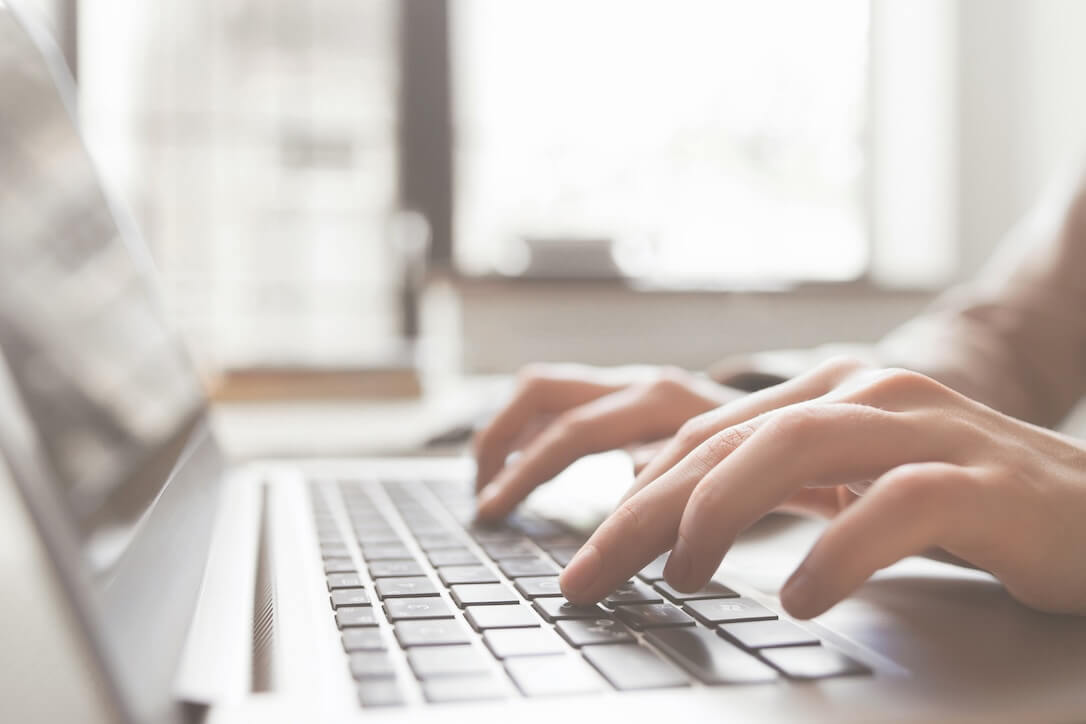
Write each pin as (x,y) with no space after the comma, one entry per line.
(476,612)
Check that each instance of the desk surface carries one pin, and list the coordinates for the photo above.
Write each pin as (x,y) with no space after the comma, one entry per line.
(355,427)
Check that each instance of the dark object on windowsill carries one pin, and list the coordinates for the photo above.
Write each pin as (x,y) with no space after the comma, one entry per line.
(561,258)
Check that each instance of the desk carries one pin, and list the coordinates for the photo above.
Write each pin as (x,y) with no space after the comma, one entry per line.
(354,427)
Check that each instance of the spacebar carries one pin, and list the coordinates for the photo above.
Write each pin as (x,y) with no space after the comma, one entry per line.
(709,658)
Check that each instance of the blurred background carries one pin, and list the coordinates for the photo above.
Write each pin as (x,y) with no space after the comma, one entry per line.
(605,181)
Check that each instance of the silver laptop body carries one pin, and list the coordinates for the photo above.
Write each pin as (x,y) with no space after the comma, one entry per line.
(147,580)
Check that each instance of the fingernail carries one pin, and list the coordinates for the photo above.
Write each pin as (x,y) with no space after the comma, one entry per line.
(581,572)
(797,594)
(678,564)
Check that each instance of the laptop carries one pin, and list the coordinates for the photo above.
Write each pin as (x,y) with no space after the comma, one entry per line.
(147,580)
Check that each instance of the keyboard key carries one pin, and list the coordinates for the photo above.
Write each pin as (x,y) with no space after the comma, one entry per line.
(430,633)
(453,557)
(349,597)
(559,609)
(362,639)
(484,534)
(371,665)
(515,616)
(362,508)
(405,587)
(384,551)
(451,575)
(463,688)
(537,587)
(437,541)
(334,550)
(429,526)
(343,580)
(506,642)
(395,569)
(372,530)
(339,565)
(412,509)
(654,571)
(431,661)
(712,590)
(399,609)
(632,592)
(813,662)
(653,615)
(710,658)
(355,616)
(594,631)
(629,666)
(728,610)
(379,692)
(518,567)
(382,536)
(562,555)
(563,542)
(552,675)
(766,634)
(536,528)
(514,549)
(478,594)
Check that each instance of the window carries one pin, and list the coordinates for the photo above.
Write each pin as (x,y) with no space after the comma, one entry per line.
(713,141)
(256,141)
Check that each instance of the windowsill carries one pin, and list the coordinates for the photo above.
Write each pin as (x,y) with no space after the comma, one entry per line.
(504,323)
(863,287)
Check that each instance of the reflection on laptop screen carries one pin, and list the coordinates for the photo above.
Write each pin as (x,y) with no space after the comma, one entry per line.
(106,382)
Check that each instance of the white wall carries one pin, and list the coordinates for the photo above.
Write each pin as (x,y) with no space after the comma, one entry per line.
(1022,110)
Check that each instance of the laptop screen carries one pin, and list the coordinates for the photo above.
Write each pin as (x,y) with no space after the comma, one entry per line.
(108,386)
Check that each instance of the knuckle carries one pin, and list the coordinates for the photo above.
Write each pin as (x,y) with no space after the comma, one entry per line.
(794,424)
(721,444)
(727,440)
(570,425)
(694,431)
(898,382)
(915,487)
(531,375)
(669,382)
(842,365)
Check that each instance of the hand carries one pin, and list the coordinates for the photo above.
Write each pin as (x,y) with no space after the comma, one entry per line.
(998,493)
(560,413)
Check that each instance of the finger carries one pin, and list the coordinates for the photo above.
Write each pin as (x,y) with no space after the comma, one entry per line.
(536,395)
(823,502)
(904,513)
(815,383)
(804,445)
(642,455)
(644,526)
(891,389)
(610,422)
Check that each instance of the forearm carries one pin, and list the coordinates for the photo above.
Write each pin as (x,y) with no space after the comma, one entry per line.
(1014,338)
